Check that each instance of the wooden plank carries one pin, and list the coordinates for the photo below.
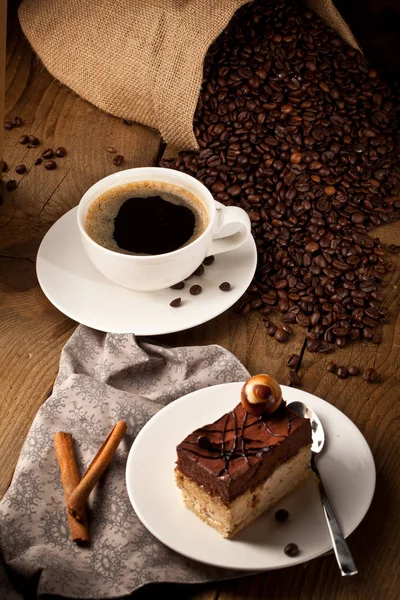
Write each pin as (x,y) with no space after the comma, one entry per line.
(32,330)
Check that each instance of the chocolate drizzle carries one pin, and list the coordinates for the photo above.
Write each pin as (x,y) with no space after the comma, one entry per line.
(239,449)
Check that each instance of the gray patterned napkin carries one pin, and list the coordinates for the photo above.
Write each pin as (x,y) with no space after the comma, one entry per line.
(103,378)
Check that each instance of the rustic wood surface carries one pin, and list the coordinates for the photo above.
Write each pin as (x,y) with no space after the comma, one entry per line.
(33,332)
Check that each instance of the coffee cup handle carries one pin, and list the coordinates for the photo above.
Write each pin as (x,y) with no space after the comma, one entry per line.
(232,229)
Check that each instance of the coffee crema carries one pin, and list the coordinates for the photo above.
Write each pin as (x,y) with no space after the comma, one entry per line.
(146,218)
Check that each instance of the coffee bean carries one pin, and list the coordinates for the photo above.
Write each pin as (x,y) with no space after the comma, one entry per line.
(50,165)
(175,303)
(293,361)
(295,158)
(324,347)
(281,515)
(60,152)
(24,139)
(291,550)
(11,185)
(331,367)
(371,375)
(353,370)
(48,153)
(312,345)
(281,336)
(118,160)
(17,122)
(38,161)
(225,286)
(342,372)
(4,166)
(294,378)
(33,141)
(303,320)
(20,169)
(199,271)
(178,286)
(208,260)
(377,337)
(244,308)
(287,328)
(195,290)
(271,330)
(8,125)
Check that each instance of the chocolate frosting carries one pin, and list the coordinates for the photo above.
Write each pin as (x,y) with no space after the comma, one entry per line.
(239,451)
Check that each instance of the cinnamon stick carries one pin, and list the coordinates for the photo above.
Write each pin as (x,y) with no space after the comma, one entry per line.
(70,479)
(77,500)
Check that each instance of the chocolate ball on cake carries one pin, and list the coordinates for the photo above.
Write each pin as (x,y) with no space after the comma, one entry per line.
(261,395)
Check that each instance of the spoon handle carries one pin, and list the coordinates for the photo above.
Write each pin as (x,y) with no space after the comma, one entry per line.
(340,547)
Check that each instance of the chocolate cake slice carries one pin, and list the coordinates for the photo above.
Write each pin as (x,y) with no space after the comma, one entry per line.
(233,470)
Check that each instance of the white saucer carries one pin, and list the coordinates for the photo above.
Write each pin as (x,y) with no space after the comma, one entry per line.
(77,289)
(346,466)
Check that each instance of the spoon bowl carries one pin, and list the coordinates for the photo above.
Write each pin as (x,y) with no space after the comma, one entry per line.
(318,434)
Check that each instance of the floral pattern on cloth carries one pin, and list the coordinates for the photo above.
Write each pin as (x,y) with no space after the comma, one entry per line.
(103,378)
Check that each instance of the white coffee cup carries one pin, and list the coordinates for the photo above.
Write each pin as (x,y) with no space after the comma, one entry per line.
(228,228)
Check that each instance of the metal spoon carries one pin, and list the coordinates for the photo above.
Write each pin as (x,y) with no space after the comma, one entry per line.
(340,547)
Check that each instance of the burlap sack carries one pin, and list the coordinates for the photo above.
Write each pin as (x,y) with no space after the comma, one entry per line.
(138,59)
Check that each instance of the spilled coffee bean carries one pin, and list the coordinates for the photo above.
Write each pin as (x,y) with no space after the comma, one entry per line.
(208,260)
(118,160)
(342,372)
(371,375)
(11,185)
(175,303)
(225,286)
(47,153)
(281,515)
(291,550)
(293,361)
(60,152)
(195,290)
(354,371)
(178,286)
(199,271)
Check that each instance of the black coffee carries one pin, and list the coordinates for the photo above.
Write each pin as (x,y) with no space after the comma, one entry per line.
(153,225)
(146,218)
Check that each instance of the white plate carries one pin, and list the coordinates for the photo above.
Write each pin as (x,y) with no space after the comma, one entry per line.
(77,289)
(346,466)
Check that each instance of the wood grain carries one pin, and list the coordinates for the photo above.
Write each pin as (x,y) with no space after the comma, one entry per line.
(33,333)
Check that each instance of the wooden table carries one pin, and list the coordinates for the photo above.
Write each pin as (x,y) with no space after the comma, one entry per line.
(33,332)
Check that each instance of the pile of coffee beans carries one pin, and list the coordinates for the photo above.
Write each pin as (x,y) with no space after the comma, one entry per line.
(294,127)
